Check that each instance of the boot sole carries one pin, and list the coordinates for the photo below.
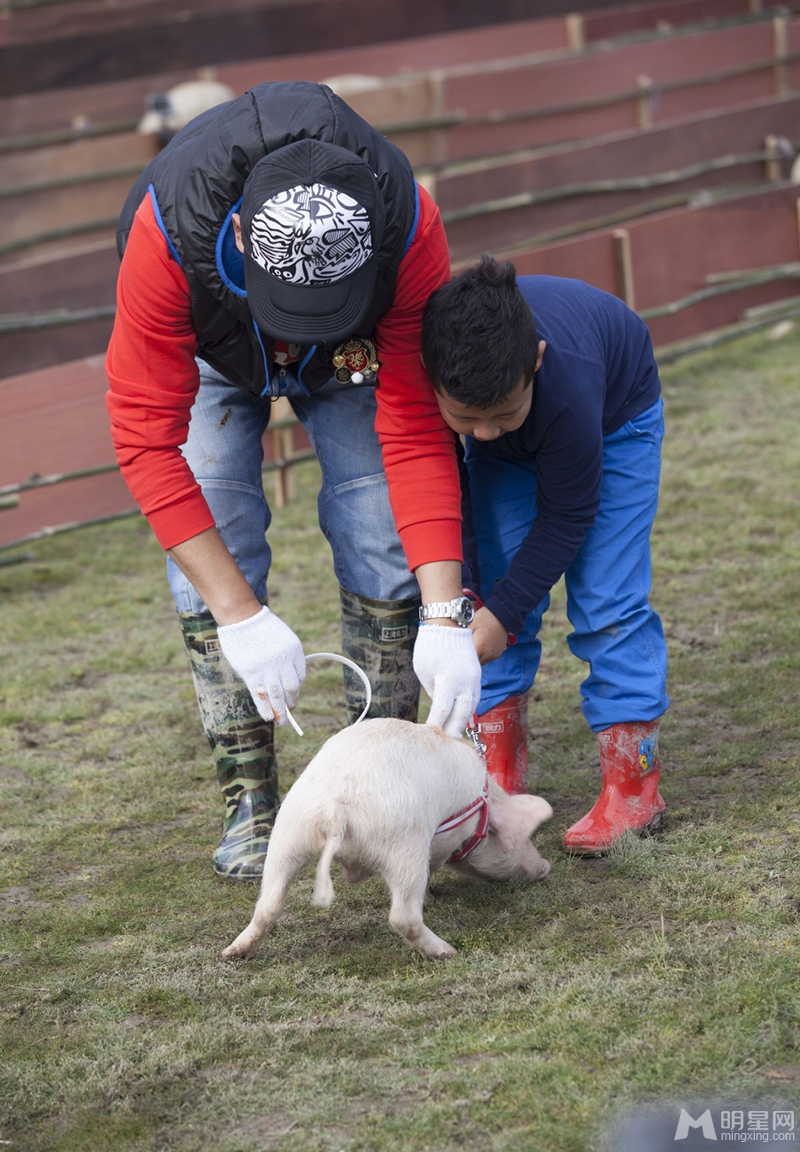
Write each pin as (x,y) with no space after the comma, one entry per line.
(238,877)
(655,825)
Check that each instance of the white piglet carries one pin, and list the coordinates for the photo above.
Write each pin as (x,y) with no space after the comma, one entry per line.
(400,800)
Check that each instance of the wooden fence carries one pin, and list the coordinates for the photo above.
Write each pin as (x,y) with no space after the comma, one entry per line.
(646,149)
(57,470)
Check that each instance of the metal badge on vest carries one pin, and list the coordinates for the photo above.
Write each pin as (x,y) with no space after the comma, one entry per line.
(356,361)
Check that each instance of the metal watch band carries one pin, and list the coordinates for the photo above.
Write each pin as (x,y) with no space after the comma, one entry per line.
(437,610)
(459,610)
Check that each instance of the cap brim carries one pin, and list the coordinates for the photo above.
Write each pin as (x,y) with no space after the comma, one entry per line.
(309,314)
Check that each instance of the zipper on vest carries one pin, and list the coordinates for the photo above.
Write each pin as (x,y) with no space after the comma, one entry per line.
(276,383)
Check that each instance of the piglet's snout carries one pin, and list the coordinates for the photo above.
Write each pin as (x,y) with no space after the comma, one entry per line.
(507,852)
(530,866)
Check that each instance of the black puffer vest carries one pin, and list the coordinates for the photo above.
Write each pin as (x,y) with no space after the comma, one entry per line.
(197,182)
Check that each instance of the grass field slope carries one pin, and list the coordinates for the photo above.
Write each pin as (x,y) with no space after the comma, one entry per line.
(667,972)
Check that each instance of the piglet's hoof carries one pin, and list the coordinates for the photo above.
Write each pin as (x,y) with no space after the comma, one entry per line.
(241,950)
(434,948)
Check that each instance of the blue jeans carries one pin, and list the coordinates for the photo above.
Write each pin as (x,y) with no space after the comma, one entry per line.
(225,454)
(616,632)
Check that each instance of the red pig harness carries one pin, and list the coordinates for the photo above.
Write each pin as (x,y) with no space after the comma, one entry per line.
(479,807)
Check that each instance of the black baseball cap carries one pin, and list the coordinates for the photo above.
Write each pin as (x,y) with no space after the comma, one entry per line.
(312,222)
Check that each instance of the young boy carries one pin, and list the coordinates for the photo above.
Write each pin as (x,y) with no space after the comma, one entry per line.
(554,388)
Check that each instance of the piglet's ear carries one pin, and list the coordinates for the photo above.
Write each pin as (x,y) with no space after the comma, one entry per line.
(515,818)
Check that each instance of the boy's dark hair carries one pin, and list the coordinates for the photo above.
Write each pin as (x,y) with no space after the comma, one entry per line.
(479,337)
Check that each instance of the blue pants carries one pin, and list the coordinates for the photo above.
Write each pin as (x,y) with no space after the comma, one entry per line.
(225,454)
(616,632)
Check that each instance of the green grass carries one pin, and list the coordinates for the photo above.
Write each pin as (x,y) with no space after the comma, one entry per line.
(668,971)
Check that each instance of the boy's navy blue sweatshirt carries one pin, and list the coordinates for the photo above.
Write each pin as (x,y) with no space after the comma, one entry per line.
(597,374)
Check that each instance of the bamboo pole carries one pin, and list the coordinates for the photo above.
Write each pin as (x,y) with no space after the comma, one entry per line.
(66,135)
(773,155)
(722,284)
(476,120)
(71,526)
(74,180)
(57,234)
(20,558)
(282,448)
(644,103)
(669,353)
(775,310)
(37,481)
(789,271)
(592,225)
(623,266)
(576,31)
(597,187)
(780,27)
(59,318)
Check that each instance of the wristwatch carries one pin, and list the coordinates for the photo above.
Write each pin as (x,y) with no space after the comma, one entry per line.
(460,610)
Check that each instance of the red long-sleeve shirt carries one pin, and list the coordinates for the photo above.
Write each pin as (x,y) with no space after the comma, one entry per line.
(153,379)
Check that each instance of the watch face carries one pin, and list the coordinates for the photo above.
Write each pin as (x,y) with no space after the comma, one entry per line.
(466,612)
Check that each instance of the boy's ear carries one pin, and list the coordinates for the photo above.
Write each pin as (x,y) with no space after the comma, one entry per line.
(542,346)
(422,361)
(236,220)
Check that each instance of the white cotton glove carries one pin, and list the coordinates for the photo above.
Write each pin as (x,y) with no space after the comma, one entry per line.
(269,658)
(447,667)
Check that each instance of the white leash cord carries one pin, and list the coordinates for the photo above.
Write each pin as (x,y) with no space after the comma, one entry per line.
(349,664)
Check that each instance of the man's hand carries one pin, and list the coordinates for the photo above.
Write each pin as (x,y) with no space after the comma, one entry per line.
(490,636)
(447,666)
(269,658)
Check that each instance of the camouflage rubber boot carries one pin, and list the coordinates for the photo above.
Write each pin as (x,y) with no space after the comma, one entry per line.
(244,752)
(379,635)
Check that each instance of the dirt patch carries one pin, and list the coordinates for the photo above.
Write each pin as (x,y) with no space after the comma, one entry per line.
(20,899)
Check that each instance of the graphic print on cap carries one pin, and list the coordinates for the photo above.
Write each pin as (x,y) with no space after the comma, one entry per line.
(311,234)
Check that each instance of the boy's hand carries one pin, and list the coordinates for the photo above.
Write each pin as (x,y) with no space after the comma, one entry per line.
(447,667)
(489,635)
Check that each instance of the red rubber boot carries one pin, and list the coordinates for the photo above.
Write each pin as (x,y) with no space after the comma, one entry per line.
(629,799)
(504,731)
